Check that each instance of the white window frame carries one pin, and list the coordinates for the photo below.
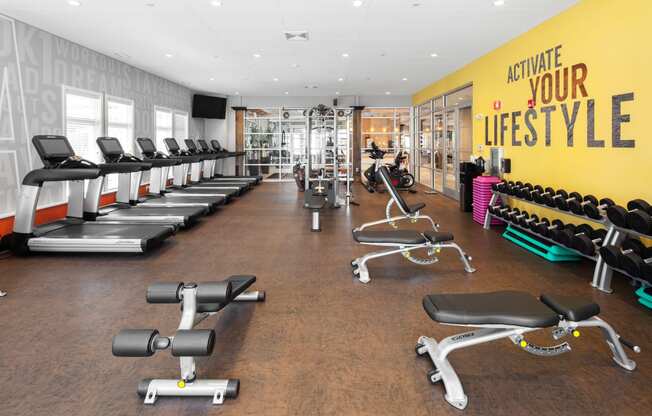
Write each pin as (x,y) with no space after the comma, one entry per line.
(65,90)
(132,139)
(174,125)
(158,108)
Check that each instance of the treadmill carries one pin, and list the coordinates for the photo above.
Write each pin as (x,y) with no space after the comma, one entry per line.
(122,210)
(217,147)
(73,234)
(160,164)
(209,165)
(180,186)
(197,168)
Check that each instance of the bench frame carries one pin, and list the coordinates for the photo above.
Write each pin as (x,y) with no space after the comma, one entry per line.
(187,384)
(360,264)
(444,371)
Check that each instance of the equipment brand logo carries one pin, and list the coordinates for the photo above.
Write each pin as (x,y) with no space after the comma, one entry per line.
(551,81)
(462,336)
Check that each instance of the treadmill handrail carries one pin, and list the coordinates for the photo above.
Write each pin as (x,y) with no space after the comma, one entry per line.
(38,176)
(123,167)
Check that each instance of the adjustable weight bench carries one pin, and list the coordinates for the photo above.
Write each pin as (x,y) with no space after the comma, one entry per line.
(199,301)
(402,241)
(315,203)
(509,314)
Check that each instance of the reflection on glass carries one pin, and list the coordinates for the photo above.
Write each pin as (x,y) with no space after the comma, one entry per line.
(451,145)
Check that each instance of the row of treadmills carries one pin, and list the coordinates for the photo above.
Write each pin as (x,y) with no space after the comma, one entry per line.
(134,223)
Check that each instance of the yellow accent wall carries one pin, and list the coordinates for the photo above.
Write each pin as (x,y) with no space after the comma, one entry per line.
(612,38)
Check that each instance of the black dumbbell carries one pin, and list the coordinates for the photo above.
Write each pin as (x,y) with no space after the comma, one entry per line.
(539,195)
(556,234)
(523,190)
(549,200)
(545,228)
(516,218)
(637,264)
(611,254)
(500,186)
(512,187)
(508,214)
(586,244)
(494,209)
(563,199)
(534,224)
(566,236)
(590,206)
(638,213)
(527,220)
(639,217)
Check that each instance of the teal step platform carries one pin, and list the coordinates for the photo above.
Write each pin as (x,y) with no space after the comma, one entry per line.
(548,251)
(645,296)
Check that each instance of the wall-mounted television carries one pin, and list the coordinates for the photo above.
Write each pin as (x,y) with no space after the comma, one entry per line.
(204,106)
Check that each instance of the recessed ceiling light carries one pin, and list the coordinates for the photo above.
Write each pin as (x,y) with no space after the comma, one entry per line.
(211,79)
(237,93)
(388,93)
(275,79)
(345,55)
(257,55)
(499,3)
(340,79)
(74,3)
(433,55)
(286,93)
(357,3)
(216,3)
(168,55)
(404,79)
(337,93)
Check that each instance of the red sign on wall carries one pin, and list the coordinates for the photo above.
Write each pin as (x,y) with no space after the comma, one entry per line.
(497,105)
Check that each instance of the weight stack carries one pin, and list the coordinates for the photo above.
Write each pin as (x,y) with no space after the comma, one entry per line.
(481,196)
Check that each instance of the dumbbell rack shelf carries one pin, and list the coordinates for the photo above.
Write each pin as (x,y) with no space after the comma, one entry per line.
(549,240)
(602,273)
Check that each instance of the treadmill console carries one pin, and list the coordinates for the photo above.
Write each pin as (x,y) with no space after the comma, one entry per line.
(173,146)
(111,148)
(52,149)
(204,145)
(147,147)
(190,144)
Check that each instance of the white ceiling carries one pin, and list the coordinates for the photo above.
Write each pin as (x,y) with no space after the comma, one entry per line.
(387,40)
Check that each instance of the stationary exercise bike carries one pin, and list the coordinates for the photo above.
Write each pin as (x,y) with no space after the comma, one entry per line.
(400,177)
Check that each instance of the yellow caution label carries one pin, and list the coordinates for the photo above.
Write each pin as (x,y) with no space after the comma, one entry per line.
(523,343)
(576,333)
(181,384)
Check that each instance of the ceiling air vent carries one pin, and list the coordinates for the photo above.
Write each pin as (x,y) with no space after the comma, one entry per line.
(296,35)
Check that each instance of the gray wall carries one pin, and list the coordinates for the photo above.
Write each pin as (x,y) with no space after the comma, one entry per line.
(34,65)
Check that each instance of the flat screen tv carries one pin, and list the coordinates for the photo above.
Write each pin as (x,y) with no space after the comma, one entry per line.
(204,106)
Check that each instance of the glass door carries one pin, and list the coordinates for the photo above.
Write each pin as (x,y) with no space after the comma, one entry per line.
(438,171)
(425,173)
(450,154)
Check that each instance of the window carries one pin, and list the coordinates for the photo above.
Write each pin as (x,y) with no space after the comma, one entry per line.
(83,121)
(120,121)
(180,127)
(119,124)
(164,129)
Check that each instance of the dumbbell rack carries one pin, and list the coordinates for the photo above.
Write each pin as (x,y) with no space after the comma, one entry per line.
(603,273)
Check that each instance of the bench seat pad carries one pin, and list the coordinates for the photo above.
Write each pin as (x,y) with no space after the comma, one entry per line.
(497,308)
(571,307)
(400,236)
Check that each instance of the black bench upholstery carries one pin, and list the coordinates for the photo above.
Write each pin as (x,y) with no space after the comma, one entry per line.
(316,202)
(238,285)
(413,209)
(571,307)
(400,236)
(493,308)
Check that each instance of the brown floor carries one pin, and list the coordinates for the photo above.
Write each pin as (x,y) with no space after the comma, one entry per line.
(323,343)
